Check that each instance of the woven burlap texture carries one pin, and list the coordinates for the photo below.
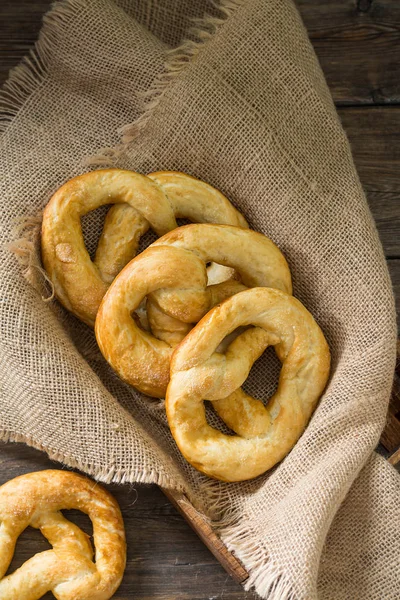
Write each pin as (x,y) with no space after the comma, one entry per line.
(242,104)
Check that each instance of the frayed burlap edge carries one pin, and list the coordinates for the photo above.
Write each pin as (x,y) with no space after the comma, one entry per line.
(104,475)
(236,533)
(25,245)
(238,536)
(177,59)
(203,30)
(24,79)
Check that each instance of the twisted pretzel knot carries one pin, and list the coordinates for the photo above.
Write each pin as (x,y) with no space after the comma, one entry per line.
(68,569)
(172,273)
(198,372)
(155,201)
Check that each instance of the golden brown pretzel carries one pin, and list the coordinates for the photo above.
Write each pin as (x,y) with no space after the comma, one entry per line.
(172,330)
(155,201)
(198,373)
(173,272)
(68,569)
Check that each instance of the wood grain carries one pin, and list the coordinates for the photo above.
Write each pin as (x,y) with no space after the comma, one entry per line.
(358,45)
(166,560)
(374,137)
(394,459)
(200,525)
(20,23)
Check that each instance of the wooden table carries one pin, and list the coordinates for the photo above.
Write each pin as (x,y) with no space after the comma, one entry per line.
(358,44)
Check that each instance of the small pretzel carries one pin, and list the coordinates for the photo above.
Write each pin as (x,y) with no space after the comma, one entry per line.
(198,372)
(141,202)
(173,272)
(68,570)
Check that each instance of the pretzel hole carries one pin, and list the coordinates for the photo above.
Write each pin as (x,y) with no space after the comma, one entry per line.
(228,339)
(82,521)
(215,420)
(263,378)
(29,543)
(148,238)
(182,222)
(92,225)
(140,316)
(32,541)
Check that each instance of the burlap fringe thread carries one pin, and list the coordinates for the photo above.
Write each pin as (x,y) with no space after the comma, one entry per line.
(177,59)
(31,72)
(26,247)
(264,576)
(106,475)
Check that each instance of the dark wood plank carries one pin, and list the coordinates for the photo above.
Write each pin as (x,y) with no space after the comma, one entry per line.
(374,137)
(20,23)
(358,45)
(375,141)
(205,532)
(166,560)
(373,133)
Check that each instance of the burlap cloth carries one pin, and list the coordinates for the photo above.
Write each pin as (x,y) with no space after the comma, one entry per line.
(243,105)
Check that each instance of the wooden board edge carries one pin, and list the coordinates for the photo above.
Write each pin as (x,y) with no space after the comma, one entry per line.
(394,458)
(200,525)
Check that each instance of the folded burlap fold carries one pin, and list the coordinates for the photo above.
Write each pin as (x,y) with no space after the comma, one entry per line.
(243,105)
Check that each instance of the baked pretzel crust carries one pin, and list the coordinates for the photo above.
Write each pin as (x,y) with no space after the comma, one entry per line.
(141,202)
(198,372)
(68,570)
(172,272)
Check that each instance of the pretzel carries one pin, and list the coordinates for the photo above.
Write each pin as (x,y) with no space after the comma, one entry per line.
(172,272)
(140,202)
(68,570)
(198,372)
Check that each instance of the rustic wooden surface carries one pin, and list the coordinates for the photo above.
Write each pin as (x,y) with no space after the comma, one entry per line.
(166,559)
(203,529)
(358,45)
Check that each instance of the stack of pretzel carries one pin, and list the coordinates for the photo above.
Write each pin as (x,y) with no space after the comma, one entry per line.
(186,318)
